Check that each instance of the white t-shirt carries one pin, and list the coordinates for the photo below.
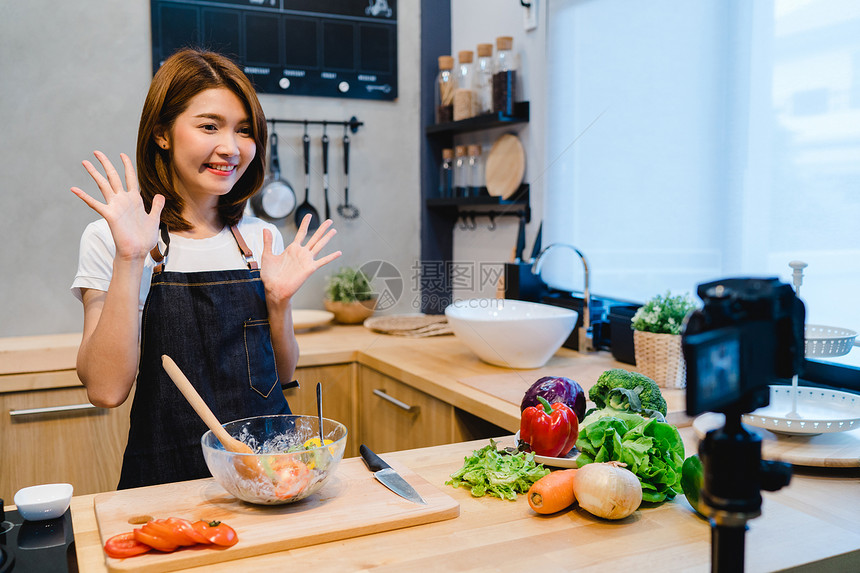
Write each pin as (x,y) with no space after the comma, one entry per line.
(218,253)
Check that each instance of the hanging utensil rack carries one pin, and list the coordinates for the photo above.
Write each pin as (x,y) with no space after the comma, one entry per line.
(467,217)
(352,123)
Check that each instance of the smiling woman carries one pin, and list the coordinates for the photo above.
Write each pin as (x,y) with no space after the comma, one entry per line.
(168,271)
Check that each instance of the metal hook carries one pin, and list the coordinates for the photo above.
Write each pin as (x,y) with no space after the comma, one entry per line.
(463,224)
(306,127)
(525,4)
(492,225)
(474,224)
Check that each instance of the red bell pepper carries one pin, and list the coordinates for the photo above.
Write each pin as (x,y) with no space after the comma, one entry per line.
(550,430)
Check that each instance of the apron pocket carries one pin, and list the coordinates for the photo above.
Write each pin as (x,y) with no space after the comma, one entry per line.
(262,371)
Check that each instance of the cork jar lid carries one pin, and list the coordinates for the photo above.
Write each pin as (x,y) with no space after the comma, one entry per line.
(504,42)
(465,56)
(485,50)
(446,62)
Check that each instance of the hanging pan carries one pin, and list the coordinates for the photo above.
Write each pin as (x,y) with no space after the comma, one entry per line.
(276,199)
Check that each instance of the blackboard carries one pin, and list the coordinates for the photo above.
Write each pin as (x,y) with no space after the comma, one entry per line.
(329,48)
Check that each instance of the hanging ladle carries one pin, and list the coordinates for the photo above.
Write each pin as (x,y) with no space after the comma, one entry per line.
(346,210)
(306,208)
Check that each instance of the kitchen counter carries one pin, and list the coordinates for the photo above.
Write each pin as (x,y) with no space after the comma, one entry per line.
(436,366)
(811,525)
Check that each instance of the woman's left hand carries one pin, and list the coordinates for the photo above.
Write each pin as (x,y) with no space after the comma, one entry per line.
(283,274)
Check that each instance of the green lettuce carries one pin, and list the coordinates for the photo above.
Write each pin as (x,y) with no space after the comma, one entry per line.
(490,471)
(652,450)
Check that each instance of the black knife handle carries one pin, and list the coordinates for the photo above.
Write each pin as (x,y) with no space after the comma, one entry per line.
(374,462)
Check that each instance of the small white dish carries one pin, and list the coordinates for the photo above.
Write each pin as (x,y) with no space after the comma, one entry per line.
(48,501)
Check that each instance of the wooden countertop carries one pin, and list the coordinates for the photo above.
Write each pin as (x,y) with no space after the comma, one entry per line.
(812,525)
(434,365)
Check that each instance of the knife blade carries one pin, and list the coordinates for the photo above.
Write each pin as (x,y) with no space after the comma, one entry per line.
(388,477)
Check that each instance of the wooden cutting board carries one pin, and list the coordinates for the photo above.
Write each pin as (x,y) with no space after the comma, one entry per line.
(352,503)
(506,165)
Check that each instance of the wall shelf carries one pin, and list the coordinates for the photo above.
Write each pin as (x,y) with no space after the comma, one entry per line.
(519,199)
(481,122)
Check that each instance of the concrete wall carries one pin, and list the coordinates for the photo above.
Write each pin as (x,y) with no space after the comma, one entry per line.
(73,76)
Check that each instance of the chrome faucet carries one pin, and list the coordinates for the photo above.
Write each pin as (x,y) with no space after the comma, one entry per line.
(586,343)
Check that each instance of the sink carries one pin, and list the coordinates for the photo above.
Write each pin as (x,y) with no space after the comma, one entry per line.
(511,333)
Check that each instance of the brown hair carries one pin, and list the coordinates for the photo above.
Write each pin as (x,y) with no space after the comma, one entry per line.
(182,76)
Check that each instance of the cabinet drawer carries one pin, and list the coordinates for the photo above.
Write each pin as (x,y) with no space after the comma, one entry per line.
(58,436)
(395,416)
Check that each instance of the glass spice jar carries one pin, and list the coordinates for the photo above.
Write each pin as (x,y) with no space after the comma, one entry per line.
(446,174)
(483,79)
(504,76)
(461,171)
(465,101)
(476,170)
(446,84)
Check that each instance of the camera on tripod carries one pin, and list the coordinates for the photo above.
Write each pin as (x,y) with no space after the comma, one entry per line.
(748,335)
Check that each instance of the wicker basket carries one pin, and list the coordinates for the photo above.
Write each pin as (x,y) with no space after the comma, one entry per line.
(659,357)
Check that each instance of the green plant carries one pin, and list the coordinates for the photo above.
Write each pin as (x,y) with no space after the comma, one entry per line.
(348,285)
(663,314)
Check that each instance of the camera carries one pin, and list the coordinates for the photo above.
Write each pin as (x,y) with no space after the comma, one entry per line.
(747,335)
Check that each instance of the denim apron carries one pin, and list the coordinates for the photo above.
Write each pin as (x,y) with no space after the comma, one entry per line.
(214,325)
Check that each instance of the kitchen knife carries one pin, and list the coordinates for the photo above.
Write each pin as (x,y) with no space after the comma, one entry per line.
(388,477)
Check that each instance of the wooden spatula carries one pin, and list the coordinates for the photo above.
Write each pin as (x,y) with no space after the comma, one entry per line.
(230,443)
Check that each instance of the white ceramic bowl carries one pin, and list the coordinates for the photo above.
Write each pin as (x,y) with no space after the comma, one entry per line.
(47,501)
(511,333)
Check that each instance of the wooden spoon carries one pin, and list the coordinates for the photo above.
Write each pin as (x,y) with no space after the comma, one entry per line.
(251,467)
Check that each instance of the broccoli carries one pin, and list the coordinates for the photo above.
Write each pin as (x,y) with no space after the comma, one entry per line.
(623,390)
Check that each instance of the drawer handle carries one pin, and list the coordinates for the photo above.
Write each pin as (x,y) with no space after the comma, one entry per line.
(51,410)
(384,395)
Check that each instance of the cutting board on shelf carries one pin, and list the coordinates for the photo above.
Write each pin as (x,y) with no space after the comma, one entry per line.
(352,503)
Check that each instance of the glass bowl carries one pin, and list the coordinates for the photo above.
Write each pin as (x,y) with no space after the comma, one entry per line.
(284,467)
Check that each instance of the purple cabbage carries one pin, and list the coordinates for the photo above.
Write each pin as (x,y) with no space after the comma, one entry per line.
(556,389)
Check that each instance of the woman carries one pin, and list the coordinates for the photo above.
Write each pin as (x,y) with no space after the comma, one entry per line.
(168,270)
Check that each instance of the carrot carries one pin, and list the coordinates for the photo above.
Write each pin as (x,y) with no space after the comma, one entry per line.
(553,492)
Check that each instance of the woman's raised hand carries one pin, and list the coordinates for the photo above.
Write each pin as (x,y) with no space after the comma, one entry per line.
(134,231)
(283,274)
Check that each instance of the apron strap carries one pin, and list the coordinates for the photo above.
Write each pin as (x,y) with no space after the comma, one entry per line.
(159,256)
(243,246)
(156,252)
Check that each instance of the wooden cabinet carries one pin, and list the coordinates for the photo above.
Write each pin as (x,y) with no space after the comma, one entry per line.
(396,417)
(339,403)
(56,435)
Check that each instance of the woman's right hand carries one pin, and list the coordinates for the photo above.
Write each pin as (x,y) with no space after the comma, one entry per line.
(134,231)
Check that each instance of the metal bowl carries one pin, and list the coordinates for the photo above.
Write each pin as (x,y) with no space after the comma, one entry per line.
(281,469)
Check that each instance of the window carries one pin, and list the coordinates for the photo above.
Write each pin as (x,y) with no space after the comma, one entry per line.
(690,141)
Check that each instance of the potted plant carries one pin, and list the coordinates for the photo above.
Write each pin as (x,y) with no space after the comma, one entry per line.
(349,296)
(657,339)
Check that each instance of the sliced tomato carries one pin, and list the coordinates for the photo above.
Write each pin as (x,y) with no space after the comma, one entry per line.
(151,538)
(170,532)
(125,545)
(184,526)
(217,532)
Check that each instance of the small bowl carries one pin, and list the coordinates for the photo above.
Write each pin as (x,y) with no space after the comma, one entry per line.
(511,333)
(40,502)
(281,470)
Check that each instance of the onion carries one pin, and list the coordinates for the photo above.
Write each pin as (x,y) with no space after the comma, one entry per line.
(607,490)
